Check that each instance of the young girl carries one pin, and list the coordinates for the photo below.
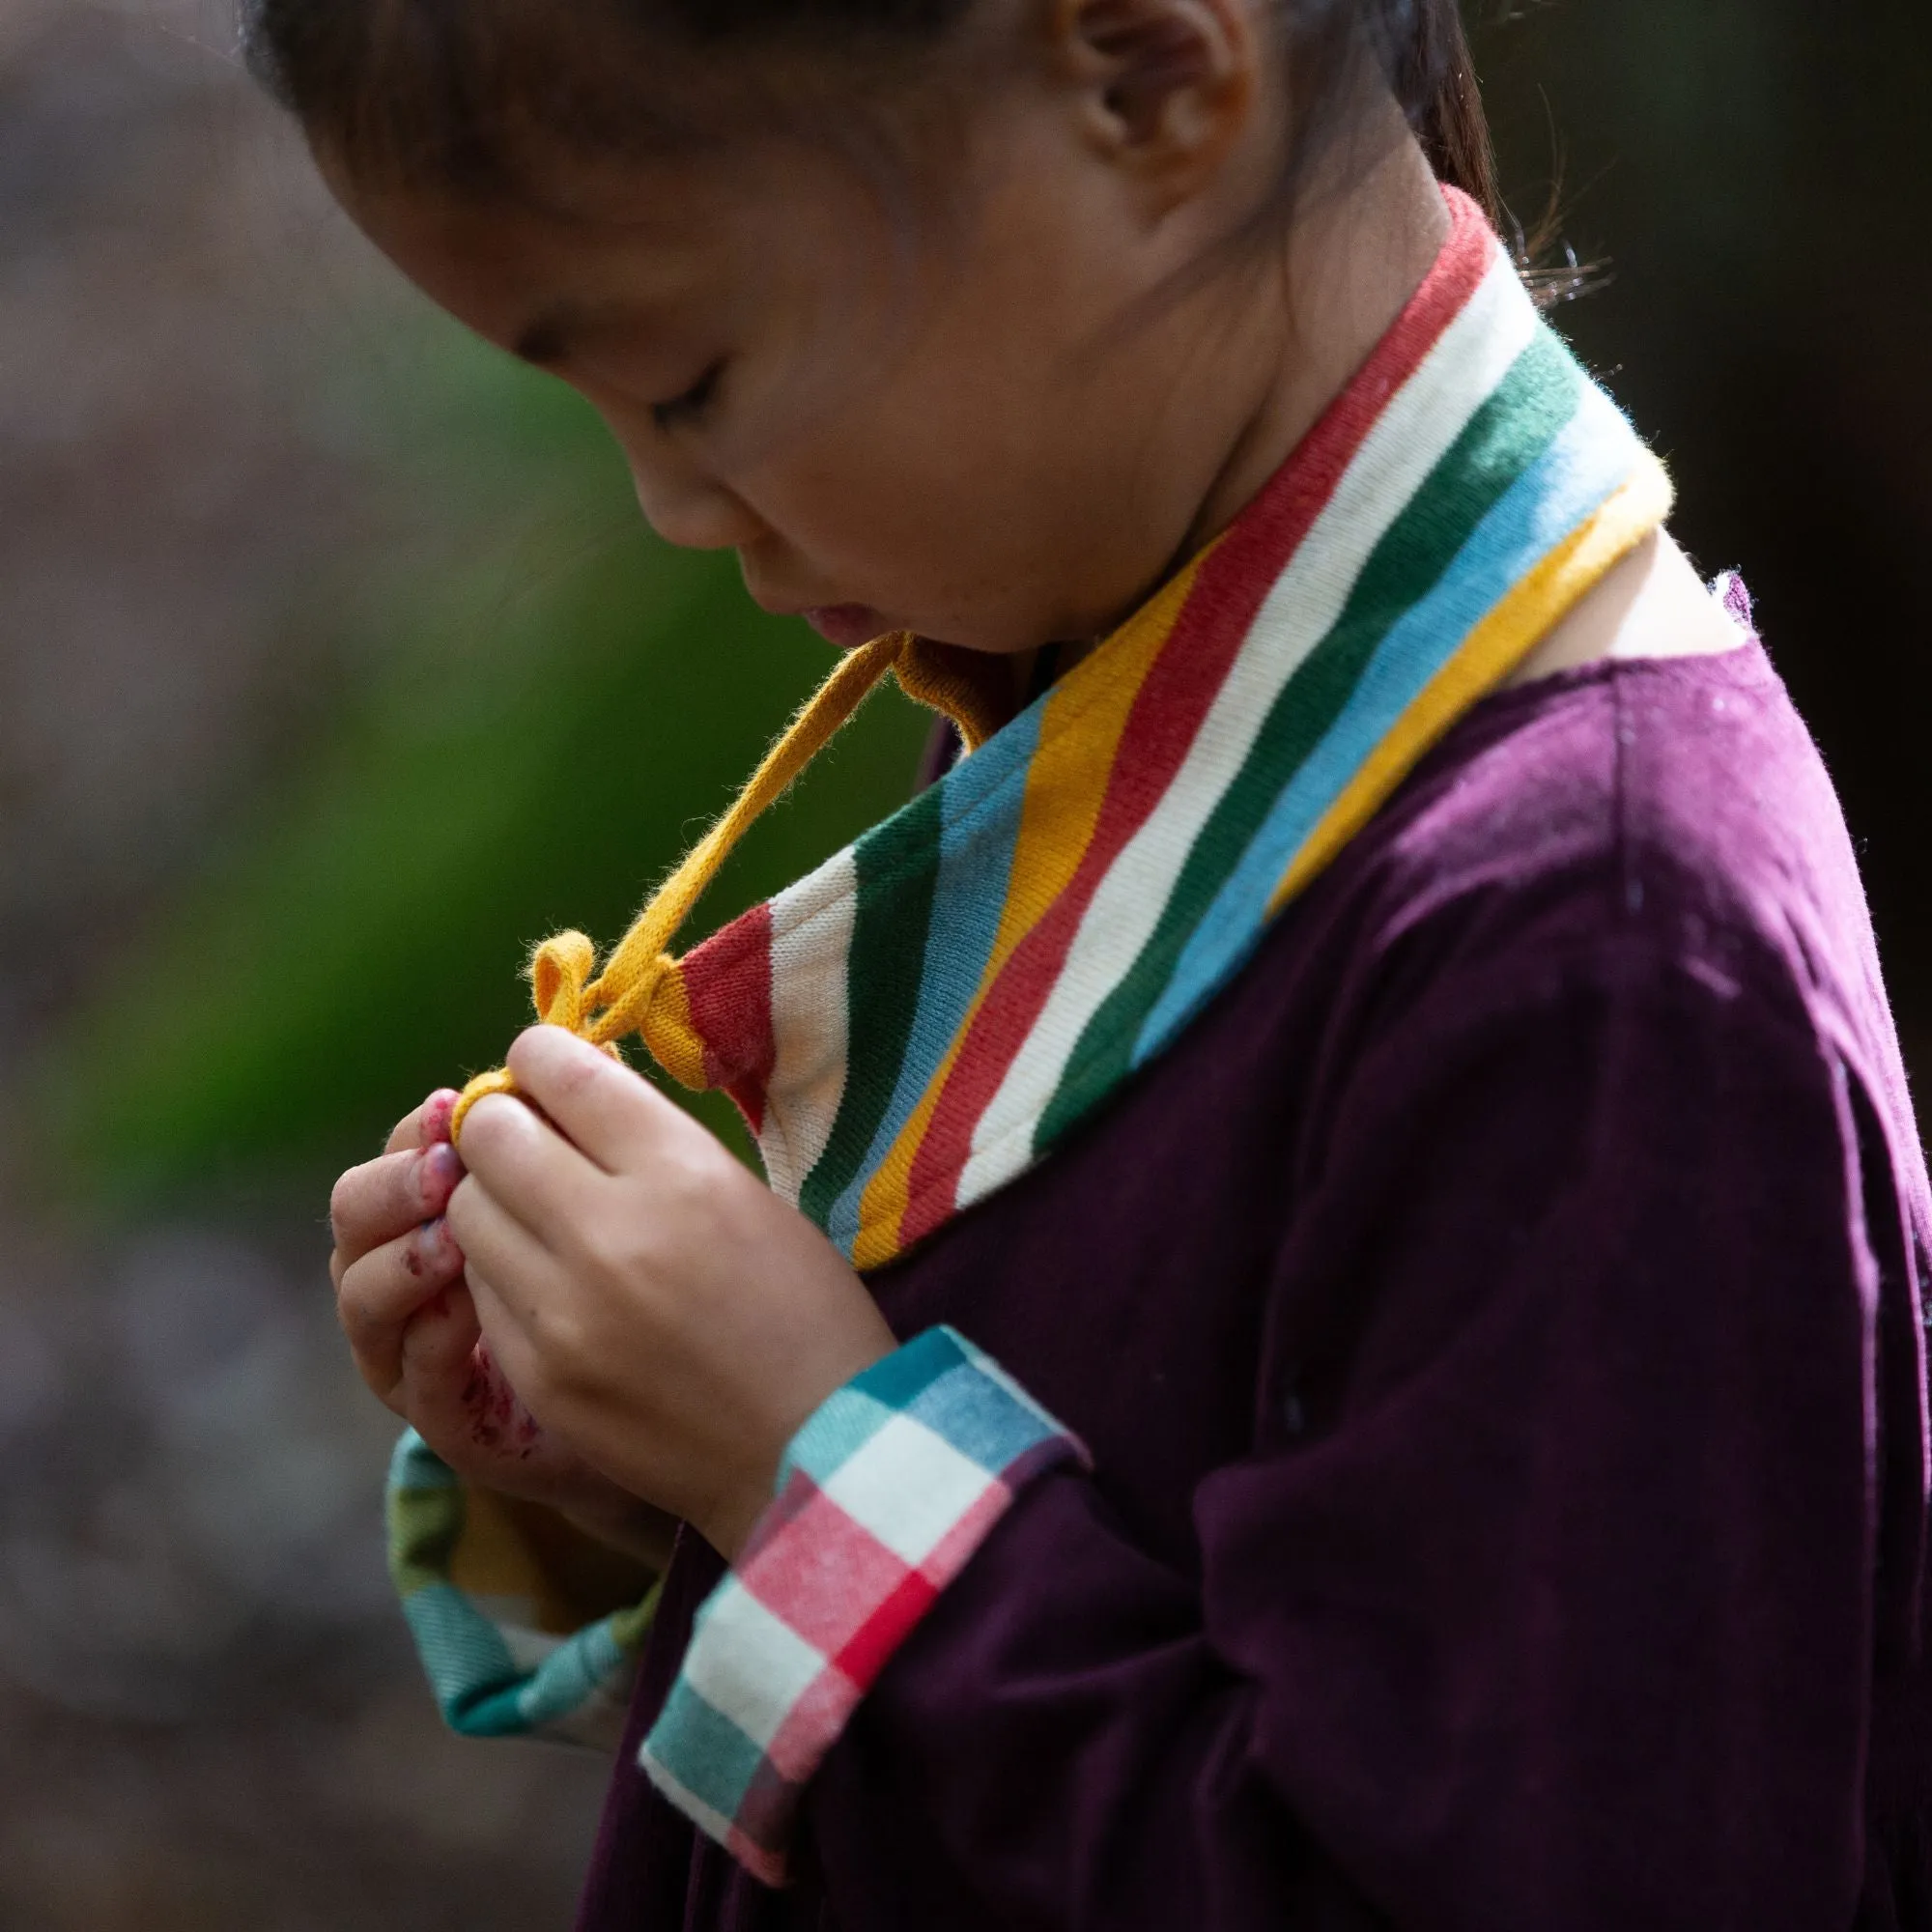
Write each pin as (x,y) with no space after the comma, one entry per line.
(1334,1335)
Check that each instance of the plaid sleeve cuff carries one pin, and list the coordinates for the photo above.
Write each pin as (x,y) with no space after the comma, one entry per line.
(882,1498)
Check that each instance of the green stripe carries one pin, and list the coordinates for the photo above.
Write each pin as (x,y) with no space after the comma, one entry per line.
(1506,436)
(897,865)
(630,1628)
(425,1526)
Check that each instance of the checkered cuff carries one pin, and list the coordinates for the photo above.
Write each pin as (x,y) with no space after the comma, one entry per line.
(883,1497)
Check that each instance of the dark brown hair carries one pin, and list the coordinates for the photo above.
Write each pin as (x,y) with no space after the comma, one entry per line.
(444,92)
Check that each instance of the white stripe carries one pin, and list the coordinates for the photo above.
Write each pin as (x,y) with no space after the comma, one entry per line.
(1413,433)
(749,1665)
(907,1487)
(811,939)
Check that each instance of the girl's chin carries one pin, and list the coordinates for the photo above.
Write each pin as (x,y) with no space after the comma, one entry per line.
(851,625)
(846,625)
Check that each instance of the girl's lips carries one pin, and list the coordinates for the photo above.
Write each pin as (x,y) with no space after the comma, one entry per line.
(846,625)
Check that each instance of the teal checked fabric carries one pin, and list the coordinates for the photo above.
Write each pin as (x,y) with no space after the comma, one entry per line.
(882,1498)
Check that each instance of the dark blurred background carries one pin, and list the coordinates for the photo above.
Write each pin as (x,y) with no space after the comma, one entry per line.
(334,668)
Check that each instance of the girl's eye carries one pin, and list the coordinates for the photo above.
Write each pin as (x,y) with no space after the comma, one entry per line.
(693,404)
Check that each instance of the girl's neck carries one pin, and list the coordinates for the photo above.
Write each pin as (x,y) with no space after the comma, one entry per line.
(1356,254)
(1361,246)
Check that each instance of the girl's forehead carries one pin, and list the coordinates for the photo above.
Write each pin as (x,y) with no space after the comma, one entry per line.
(668,215)
(580,248)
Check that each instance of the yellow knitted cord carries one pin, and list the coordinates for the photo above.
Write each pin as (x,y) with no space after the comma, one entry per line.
(640,976)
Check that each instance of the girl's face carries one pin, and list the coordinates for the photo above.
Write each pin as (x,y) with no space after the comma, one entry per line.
(972,426)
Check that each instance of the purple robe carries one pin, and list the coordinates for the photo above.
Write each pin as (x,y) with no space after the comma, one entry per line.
(1496,1323)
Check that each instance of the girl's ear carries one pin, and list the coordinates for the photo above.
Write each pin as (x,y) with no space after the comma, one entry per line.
(1167,86)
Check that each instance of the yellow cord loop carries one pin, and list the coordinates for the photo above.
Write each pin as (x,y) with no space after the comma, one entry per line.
(628,996)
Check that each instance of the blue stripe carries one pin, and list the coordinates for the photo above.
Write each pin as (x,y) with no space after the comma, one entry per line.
(974,1414)
(1582,468)
(468,1666)
(939,1379)
(850,1417)
(831,1434)
(572,1676)
(702,1749)
(414,1467)
(982,801)
(900,1379)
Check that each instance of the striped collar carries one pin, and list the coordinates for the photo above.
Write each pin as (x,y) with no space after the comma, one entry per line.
(923,1017)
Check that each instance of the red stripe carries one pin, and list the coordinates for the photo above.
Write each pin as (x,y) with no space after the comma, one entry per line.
(892,1620)
(728,982)
(1180,688)
(1265,536)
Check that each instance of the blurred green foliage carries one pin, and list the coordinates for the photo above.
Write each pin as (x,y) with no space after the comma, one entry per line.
(547,724)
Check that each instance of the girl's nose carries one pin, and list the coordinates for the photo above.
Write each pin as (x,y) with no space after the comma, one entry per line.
(687,507)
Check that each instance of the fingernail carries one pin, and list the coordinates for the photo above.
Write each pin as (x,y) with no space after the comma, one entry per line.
(438,1113)
(440,1170)
(437,1252)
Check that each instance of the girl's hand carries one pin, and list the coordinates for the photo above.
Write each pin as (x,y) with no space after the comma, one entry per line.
(655,1303)
(412,1331)
(394,1254)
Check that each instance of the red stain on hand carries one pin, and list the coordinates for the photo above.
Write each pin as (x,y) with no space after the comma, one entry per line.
(498,1421)
(430,1251)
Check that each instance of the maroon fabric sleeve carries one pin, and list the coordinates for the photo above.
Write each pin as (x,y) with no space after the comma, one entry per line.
(1549,1606)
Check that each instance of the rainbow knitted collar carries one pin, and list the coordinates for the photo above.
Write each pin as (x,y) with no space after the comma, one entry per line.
(923,1017)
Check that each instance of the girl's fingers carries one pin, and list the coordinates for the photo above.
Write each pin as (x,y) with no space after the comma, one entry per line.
(614,1116)
(530,1172)
(438,1340)
(376,1202)
(436,1114)
(508,1266)
(381,1292)
(422,1127)
(438,1368)
(508,1313)
(468,1411)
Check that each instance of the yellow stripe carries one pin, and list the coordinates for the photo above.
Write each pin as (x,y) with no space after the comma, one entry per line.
(669,1033)
(1494,648)
(493,1558)
(1067,784)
